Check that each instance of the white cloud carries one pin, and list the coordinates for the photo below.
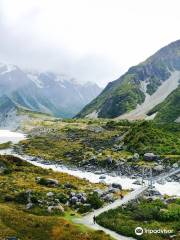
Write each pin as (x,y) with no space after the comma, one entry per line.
(90,39)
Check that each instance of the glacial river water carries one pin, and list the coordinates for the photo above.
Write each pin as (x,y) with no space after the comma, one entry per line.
(170,188)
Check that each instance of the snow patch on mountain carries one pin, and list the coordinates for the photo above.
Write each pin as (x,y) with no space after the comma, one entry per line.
(35,80)
(152,100)
(7,68)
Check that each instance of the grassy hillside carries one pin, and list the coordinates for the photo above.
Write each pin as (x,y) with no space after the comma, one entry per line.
(117,98)
(126,93)
(17,181)
(169,109)
(162,139)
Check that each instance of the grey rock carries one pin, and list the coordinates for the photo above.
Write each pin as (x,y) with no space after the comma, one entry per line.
(102,177)
(109,160)
(58,207)
(83,199)
(159,168)
(109,197)
(29,206)
(117,185)
(72,194)
(175,165)
(79,195)
(171,200)
(52,181)
(73,200)
(50,194)
(137,182)
(150,157)
(113,190)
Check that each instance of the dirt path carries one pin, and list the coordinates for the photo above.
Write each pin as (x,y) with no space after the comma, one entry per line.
(88,219)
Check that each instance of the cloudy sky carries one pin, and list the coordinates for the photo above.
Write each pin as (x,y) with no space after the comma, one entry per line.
(91,40)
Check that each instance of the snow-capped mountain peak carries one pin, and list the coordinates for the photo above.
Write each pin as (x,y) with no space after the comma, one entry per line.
(46,91)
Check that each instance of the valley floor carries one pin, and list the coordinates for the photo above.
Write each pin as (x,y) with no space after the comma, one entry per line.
(52,200)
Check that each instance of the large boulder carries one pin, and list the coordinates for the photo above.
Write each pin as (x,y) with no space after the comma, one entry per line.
(102,177)
(117,185)
(171,200)
(150,157)
(83,199)
(57,207)
(48,182)
(159,168)
(96,129)
(175,165)
(74,200)
(109,160)
(153,192)
(109,197)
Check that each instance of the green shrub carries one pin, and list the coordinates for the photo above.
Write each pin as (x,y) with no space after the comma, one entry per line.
(84,209)
(95,201)
(22,197)
(62,198)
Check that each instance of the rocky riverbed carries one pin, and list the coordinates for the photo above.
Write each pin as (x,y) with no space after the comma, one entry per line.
(127,175)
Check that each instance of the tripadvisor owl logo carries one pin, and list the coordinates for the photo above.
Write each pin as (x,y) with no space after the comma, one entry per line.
(139,231)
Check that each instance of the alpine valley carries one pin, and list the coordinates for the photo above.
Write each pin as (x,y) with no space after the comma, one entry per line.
(109,171)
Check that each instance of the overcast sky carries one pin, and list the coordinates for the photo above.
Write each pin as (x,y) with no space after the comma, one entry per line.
(91,40)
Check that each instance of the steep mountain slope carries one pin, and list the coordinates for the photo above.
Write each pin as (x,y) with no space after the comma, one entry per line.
(45,92)
(140,89)
(66,94)
(13,116)
(168,110)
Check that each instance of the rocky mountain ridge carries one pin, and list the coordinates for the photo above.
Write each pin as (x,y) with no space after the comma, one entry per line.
(129,96)
(45,92)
